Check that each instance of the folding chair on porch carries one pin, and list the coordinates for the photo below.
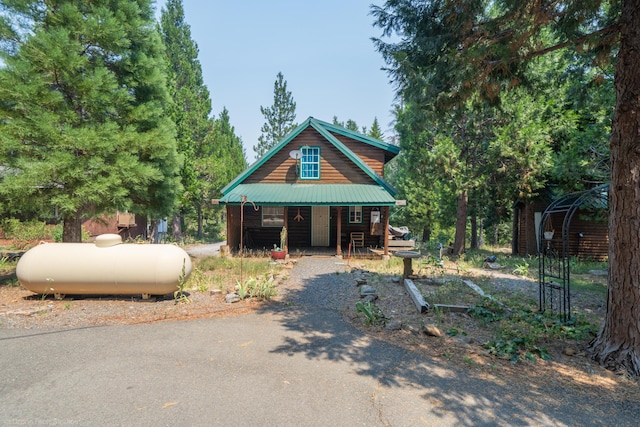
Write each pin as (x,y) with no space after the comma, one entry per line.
(357,239)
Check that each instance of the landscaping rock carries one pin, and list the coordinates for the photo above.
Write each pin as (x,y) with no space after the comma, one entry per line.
(367,290)
(432,331)
(394,325)
(370,298)
(232,297)
(360,281)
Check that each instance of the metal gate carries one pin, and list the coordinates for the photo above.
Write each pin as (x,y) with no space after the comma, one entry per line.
(554,267)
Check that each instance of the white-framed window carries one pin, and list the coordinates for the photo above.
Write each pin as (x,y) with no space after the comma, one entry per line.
(355,214)
(310,163)
(272,216)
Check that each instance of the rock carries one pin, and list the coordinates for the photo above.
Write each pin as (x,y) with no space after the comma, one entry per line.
(361,281)
(411,329)
(370,298)
(394,325)
(214,292)
(395,279)
(492,266)
(432,331)
(367,290)
(232,297)
(463,339)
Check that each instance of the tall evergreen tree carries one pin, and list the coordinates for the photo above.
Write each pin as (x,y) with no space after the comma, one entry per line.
(191,103)
(280,117)
(458,49)
(375,131)
(83,124)
(217,161)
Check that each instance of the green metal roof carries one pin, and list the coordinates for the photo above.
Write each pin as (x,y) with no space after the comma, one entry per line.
(325,130)
(310,195)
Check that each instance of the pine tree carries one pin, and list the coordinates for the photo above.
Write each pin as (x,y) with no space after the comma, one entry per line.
(191,103)
(83,127)
(280,117)
(217,161)
(459,50)
(375,131)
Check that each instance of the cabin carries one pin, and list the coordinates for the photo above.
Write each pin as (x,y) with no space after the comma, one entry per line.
(128,225)
(323,183)
(580,217)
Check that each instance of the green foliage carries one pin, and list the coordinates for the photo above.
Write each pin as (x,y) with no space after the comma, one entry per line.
(262,288)
(521,331)
(372,313)
(280,117)
(242,288)
(430,265)
(522,269)
(97,137)
(180,296)
(231,266)
(24,231)
(375,131)
(57,233)
(213,153)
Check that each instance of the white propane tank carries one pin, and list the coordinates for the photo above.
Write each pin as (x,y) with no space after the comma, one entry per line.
(105,267)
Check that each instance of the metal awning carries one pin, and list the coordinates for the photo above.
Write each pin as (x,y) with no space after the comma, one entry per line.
(266,194)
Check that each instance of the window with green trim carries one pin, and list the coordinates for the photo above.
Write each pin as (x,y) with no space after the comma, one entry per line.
(355,214)
(310,163)
(272,216)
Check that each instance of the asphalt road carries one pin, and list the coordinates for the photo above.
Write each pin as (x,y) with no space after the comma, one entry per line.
(288,365)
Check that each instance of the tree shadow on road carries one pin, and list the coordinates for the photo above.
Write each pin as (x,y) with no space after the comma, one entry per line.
(320,292)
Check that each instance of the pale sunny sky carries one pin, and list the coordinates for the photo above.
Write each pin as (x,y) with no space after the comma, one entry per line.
(323,49)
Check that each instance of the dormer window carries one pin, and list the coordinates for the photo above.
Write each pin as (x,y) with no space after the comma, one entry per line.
(310,163)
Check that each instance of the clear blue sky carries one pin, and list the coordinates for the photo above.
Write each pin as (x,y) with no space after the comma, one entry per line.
(323,49)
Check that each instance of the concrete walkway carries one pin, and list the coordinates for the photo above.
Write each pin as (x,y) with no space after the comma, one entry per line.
(202,250)
(296,364)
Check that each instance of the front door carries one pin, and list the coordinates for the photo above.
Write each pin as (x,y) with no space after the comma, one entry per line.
(319,225)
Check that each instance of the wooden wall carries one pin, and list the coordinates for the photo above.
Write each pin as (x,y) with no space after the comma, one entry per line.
(594,243)
(299,232)
(372,156)
(109,224)
(335,167)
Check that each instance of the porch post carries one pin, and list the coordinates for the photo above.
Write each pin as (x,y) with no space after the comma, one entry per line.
(339,231)
(385,231)
(286,224)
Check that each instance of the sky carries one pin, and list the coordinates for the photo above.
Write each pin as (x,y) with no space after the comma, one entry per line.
(323,49)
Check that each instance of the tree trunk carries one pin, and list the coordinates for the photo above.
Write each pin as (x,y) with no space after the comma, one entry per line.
(426,233)
(461,223)
(474,231)
(176,228)
(199,213)
(72,229)
(531,240)
(618,343)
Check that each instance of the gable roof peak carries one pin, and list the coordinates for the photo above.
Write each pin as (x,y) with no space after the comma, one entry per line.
(326,130)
